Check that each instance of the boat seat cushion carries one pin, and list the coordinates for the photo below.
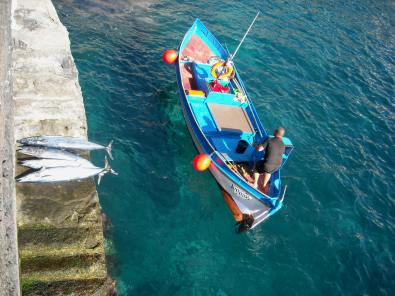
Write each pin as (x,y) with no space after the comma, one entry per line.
(230,118)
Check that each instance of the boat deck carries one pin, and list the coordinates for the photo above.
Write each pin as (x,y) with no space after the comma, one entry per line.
(223,119)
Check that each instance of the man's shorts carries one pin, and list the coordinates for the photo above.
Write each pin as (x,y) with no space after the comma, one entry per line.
(263,167)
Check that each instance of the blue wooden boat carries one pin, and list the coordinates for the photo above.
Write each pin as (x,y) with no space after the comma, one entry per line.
(224,124)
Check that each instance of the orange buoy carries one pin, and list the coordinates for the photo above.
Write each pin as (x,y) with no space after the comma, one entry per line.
(201,162)
(170,56)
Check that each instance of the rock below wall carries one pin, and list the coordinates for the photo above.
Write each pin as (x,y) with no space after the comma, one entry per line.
(60,232)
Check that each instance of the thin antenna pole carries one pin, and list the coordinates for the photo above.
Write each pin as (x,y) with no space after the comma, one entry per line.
(244,37)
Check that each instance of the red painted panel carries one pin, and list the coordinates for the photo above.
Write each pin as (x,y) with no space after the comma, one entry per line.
(197,49)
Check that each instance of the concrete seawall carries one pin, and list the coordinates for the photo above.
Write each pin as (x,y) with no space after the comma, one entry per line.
(9,270)
(60,233)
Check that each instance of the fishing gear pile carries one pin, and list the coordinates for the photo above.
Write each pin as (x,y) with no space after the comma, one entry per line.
(56,160)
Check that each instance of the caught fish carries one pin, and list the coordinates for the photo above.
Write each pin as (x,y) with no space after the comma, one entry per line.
(61,174)
(53,163)
(65,143)
(51,153)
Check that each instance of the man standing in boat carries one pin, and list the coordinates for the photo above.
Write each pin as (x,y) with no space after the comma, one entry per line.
(274,150)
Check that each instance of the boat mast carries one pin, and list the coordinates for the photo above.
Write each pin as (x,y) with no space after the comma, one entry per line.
(244,37)
(231,59)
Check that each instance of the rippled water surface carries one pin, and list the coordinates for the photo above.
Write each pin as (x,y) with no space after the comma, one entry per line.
(323,69)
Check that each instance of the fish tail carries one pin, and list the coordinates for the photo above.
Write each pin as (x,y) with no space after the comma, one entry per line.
(109,149)
(107,168)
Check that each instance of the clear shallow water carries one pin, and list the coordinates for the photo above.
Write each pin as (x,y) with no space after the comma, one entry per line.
(325,71)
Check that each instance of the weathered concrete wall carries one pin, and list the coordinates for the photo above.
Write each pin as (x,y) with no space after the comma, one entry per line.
(60,230)
(9,271)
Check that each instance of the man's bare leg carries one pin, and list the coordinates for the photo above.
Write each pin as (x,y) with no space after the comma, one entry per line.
(266,178)
(256,178)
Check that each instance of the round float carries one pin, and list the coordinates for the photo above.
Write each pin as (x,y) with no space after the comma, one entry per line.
(201,162)
(170,56)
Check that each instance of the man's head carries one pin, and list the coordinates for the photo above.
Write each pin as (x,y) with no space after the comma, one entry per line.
(279,132)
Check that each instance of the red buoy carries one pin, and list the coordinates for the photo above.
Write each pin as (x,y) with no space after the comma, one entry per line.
(201,162)
(170,56)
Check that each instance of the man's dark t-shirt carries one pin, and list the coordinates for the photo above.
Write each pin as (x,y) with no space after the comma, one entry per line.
(274,150)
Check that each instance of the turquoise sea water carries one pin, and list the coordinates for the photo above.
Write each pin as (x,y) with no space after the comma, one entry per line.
(323,69)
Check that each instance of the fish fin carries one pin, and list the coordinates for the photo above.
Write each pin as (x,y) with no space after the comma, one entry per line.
(109,149)
(40,171)
(107,168)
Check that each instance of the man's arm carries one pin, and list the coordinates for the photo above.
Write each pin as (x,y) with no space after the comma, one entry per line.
(261,147)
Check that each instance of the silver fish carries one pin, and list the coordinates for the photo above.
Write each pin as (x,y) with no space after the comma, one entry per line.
(51,153)
(61,174)
(62,142)
(53,163)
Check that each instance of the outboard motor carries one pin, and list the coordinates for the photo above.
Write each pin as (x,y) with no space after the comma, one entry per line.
(245,224)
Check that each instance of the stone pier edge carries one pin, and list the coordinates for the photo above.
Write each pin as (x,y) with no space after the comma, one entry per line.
(15,89)
(9,267)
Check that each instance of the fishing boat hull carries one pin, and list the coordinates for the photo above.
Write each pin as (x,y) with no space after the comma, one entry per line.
(211,134)
(241,202)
